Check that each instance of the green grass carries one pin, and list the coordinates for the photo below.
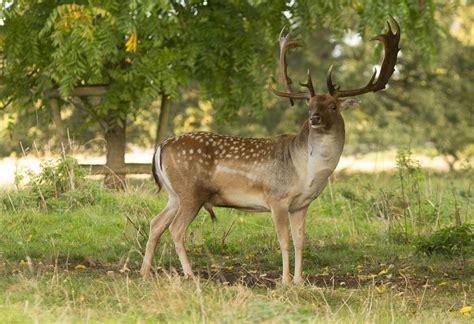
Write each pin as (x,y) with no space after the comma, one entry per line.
(75,259)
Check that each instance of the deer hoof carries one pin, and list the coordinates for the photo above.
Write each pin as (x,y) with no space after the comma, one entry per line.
(298,281)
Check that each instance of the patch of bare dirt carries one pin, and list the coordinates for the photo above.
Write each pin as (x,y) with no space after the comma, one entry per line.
(237,274)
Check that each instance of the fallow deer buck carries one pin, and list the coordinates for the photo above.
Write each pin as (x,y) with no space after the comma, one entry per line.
(281,174)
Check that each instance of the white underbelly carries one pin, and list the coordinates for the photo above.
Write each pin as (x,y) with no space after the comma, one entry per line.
(245,200)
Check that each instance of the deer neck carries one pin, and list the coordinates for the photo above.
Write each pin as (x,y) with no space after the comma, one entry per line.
(317,154)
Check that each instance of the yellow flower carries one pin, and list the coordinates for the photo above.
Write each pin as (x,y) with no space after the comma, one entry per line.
(132,42)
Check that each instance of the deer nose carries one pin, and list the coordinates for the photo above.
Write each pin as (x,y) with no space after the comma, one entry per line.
(316,119)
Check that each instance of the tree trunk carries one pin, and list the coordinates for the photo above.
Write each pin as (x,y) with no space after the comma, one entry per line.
(162,129)
(115,158)
(58,124)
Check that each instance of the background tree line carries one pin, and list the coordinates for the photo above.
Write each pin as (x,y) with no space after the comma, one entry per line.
(136,71)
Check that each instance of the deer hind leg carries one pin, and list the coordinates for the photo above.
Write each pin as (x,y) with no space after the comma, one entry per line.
(186,214)
(157,226)
(280,219)
(297,220)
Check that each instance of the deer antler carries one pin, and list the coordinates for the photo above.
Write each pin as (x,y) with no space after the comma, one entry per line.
(309,85)
(285,44)
(390,42)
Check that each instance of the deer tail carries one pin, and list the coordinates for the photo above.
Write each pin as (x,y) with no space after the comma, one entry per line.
(153,167)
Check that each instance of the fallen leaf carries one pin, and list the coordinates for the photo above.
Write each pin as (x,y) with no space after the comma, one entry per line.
(465,310)
(124,269)
(80,267)
(250,256)
(366,277)
(386,270)
(380,289)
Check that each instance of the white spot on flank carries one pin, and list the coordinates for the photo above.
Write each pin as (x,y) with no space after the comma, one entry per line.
(199,151)
(191,151)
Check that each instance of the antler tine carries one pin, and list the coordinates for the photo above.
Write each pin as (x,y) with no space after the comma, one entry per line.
(290,95)
(331,86)
(285,44)
(390,42)
(309,85)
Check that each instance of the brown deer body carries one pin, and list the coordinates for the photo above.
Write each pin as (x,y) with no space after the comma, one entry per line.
(281,174)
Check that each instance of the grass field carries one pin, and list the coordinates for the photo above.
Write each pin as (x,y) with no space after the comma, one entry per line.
(380,248)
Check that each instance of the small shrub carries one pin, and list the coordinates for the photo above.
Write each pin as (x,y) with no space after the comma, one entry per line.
(455,240)
(61,184)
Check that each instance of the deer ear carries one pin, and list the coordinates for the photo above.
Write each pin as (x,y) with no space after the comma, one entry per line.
(349,103)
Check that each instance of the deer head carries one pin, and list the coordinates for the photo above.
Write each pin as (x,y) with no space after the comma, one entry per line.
(325,109)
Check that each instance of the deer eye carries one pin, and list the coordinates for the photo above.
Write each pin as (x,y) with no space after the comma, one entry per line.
(333,107)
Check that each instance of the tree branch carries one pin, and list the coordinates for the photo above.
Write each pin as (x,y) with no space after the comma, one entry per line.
(7,104)
(77,102)
(81,91)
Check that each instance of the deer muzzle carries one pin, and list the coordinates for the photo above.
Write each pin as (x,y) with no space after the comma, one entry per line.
(316,121)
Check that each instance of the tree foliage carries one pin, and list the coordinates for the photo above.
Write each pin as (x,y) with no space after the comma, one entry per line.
(223,51)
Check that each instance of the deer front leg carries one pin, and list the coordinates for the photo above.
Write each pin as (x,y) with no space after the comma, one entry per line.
(280,219)
(297,220)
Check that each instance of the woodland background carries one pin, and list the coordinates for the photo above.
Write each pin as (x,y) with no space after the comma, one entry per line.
(148,69)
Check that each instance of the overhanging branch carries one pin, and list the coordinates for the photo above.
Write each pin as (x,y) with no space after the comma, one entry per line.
(7,104)
(81,91)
